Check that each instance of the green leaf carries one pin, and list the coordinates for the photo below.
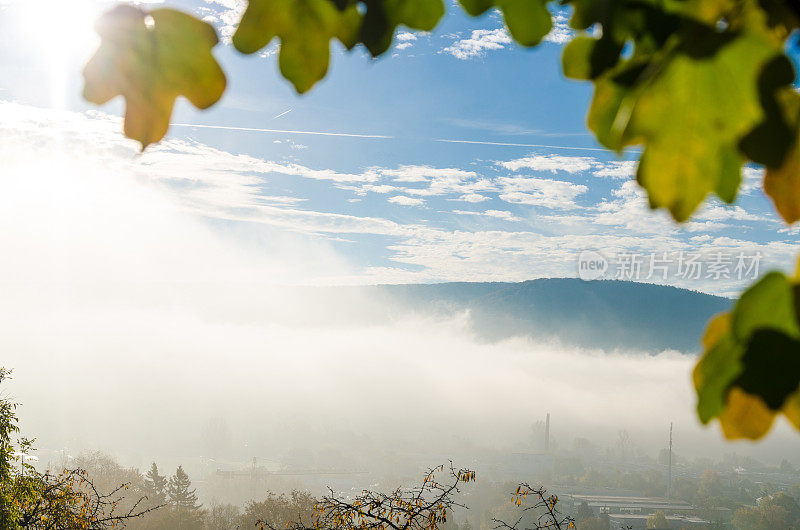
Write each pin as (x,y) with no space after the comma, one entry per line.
(609,112)
(783,186)
(695,110)
(768,304)
(782,177)
(528,21)
(689,108)
(713,375)
(383,16)
(305,29)
(587,58)
(771,367)
(151,59)
(644,26)
(586,13)
(695,82)
(770,141)
(750,370)
(718,367)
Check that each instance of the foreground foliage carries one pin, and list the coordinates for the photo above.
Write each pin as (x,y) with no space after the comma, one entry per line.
(776,511)
(68,500)
(751,369)
(704,86)
(544,511)
(425,507)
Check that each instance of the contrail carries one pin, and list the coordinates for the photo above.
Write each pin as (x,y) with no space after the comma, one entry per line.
(381,136)
(519,145)
(281,131)
(284,113)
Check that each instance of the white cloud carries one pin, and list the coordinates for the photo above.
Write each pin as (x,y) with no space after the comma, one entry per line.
(614,169)
(432,181)
(225,15)
(628,208)
(473,197)
(79,206)
(405,40)
(498,214)
(363,189)
(412,173)
(174,154)
(561,32)
(752,179)
(197,182)
(406,201)
(552,163)
(196,177)
(548,193)
(617,169)
(478,43)
(380,188)
(481,41)
(717,212)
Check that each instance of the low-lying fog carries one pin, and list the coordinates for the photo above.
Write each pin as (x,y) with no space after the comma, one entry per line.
(136,328)
(168,379)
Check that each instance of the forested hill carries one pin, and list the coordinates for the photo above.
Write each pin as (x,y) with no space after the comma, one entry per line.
(606,314)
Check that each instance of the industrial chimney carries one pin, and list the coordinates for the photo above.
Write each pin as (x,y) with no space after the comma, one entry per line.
(669,465)
(547,434)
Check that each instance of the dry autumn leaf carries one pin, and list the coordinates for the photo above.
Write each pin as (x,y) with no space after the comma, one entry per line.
(151,59)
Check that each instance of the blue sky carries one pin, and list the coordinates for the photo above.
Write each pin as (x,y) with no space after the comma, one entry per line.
(457,156)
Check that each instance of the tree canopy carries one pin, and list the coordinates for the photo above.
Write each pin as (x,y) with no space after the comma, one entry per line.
(66,500)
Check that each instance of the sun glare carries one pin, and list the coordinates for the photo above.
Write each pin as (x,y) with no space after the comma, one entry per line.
(61,36)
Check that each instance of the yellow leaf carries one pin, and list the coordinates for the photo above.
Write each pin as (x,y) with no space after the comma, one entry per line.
(783,186)
(792,409)
(745,416)
(151,59)
(718,326)
(782,183)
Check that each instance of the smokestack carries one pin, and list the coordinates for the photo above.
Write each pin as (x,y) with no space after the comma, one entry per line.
(547,434)
(669,465)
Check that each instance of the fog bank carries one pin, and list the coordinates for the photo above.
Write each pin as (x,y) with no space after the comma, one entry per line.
(139,328)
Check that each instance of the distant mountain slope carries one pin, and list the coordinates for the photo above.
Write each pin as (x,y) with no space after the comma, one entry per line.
(606,314)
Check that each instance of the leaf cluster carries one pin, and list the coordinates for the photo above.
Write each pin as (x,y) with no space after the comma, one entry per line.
(750,371)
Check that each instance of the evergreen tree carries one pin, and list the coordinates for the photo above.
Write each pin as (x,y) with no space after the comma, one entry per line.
(155,485)
(180,496)
(584,512)
(185,510)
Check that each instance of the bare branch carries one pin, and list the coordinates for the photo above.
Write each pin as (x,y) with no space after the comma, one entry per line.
(423,507)
(544,511)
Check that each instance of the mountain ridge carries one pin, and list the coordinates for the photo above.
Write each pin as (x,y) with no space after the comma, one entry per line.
(600,313)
